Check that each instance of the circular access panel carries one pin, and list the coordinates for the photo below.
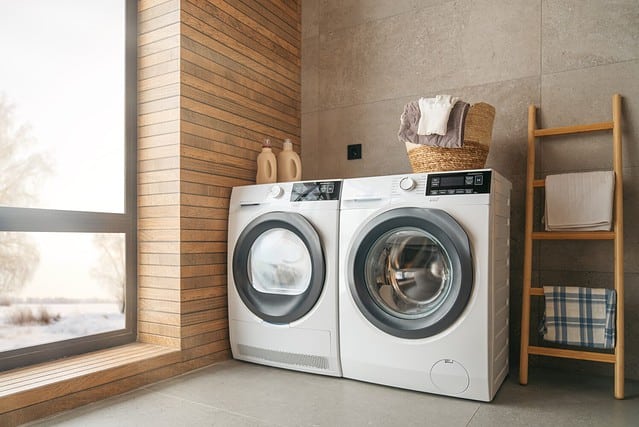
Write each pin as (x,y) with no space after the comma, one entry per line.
(449,376)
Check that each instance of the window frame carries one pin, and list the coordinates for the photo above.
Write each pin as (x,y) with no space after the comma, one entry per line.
(15,219)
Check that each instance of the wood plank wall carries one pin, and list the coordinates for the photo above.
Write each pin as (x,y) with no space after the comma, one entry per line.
(159,266)
(217,77)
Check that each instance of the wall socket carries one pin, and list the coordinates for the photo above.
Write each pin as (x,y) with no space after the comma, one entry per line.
(354,151)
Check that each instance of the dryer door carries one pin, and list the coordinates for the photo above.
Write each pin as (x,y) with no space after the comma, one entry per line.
(410,271)
(278,267)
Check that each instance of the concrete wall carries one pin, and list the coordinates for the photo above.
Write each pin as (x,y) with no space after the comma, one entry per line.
(363,60)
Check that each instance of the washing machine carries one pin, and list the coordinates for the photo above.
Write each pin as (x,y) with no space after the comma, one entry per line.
(424,281)
(282,275)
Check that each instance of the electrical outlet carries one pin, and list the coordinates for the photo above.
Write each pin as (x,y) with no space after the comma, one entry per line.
(354,151)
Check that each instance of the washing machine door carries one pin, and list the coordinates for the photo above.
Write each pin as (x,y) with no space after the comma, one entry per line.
(410,271)
(279,267)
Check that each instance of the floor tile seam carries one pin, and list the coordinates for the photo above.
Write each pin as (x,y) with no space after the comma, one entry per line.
(205,405)
(473,416)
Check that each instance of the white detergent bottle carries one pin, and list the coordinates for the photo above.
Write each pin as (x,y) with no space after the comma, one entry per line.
(289,165)
(266,164)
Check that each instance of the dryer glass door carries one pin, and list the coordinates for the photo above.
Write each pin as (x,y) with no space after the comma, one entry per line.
(279,263)
(279,267)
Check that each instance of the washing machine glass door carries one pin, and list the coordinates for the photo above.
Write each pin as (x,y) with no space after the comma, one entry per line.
(411,271)
(278,267)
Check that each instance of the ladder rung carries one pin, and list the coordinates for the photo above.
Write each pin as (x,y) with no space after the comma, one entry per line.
(593,127)
(539,183)
(572,354)
(537,291)
(573,235)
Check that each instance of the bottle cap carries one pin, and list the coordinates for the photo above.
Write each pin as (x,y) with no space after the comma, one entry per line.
(266,143)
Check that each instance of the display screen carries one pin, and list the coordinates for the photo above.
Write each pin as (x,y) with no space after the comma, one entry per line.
(452,181)
(314,191)
(455,183)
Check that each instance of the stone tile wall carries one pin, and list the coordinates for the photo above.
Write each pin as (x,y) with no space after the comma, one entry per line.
(363,60)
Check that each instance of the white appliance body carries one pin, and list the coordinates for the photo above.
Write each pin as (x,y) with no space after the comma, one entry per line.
(282,275)
(424,281)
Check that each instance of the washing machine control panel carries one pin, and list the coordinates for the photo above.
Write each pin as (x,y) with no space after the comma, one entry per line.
(455,183)
(314,191)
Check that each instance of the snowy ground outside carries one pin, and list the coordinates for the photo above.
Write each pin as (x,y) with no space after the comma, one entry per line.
(76,320)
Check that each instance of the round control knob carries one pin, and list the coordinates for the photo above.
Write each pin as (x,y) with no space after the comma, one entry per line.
(276,191)
(407,183)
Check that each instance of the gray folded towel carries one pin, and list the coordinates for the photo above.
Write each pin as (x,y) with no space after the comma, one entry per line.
(454,137)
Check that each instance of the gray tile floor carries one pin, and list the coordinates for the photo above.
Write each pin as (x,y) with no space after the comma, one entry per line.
(241,394)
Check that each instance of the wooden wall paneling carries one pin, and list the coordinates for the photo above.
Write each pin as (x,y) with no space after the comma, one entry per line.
(152,8)
(158,172)
(205,137)
(199,30)
(213,96)
(200,282)
(247,34)
(263,18)
(205,68)
(239,67)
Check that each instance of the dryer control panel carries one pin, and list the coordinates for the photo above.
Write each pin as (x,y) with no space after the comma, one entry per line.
(453,183)
(314,191)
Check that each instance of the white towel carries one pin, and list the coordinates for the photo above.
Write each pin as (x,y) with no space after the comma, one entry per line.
(434,113)
(579,201)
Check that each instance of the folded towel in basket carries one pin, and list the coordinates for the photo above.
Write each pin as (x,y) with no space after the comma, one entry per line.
(580,316)
(454,137)
(579,201)
(434,113)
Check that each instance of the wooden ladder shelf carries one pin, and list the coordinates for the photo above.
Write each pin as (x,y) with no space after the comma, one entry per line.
(616,358)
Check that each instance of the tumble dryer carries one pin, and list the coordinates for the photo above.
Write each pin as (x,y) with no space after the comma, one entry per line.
(424,281)
(282,275)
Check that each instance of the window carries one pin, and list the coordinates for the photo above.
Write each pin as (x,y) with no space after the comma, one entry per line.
(67,178)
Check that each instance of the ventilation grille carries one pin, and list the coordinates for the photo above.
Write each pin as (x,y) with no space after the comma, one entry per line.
(319,362)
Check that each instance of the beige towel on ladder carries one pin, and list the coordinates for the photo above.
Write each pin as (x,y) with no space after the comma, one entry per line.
(579,201)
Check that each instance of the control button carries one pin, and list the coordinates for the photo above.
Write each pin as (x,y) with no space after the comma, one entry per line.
(469,191)
(407,183)
(451,191)
(460,191)
(434,192)
(276,191)
(479,179)
(327,188)
(434,182)
(469,180)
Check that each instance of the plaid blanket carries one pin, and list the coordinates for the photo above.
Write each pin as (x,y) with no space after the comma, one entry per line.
(580,316)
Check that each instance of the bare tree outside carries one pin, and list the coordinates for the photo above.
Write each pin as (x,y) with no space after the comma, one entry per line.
(22,167)
(110,270)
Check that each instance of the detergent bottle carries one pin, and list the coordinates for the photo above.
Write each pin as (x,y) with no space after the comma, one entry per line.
(266,164)
(289,165)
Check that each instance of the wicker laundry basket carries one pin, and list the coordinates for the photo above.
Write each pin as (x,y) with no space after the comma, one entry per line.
(478,131)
